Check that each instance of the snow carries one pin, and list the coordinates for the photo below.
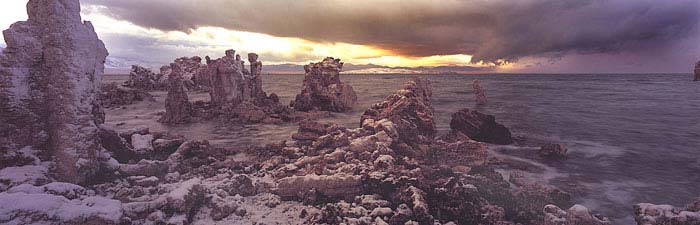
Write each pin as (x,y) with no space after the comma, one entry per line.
(23,208)
(24,174)
(142,143)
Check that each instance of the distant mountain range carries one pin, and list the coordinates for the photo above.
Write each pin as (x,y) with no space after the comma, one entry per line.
(115,65)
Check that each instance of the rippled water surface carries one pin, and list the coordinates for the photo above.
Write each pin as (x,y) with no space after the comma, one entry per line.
(632,138)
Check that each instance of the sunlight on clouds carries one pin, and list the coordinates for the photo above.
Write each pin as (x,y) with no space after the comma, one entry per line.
(214,41)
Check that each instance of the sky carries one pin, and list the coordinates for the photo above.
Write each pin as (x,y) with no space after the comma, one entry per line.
(529,36)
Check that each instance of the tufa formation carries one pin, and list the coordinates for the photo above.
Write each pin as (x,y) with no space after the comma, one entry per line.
(323,89)
(50,73)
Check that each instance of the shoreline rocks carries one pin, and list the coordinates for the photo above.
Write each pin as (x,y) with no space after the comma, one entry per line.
(650,214)
(480,127)
(323,89)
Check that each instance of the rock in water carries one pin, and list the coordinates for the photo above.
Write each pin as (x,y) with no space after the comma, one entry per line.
(480,127)
(697,71)
(178,109)
(49,76)
(553,151)
(323,89)
(479,94)
(410,109)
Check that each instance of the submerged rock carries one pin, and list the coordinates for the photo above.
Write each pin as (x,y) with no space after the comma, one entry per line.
(49,78)
(480,127)
(553,151)
(409,109)
(323,89)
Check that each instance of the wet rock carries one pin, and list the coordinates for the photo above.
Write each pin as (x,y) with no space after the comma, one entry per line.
(410,110)
(650,214)
(576,215)
(323,89)
(480,127)
(143,79)
(553,151)
(178,109)
(49,78)
(112,95)
(479,94)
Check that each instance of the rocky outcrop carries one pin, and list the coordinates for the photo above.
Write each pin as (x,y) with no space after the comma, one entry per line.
(409,109)
(178,109)
(143,79)
(227,79)
(49,78)
(697,71)
(323,89)
(650,214)
(480,127)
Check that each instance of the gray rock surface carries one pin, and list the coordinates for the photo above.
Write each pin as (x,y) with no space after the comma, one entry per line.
(49,76)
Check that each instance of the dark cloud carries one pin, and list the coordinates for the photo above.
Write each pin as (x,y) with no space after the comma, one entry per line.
(489,30)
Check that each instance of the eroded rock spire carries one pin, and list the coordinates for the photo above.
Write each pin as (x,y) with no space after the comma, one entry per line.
(49,75)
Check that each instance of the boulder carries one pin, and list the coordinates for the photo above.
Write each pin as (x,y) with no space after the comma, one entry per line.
(409,109)
(178,109)
(323,89)
(50,74)
(480,127)
(192,72)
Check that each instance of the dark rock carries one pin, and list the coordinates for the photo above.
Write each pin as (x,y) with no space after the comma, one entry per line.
(553,151)
(112,95)
(480,127)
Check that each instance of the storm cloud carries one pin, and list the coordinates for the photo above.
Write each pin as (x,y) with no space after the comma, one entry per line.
(488,30)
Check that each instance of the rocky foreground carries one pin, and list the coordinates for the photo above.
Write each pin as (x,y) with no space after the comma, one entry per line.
(59,164)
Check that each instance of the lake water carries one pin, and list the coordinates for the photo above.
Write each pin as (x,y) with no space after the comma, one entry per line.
(632,138)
